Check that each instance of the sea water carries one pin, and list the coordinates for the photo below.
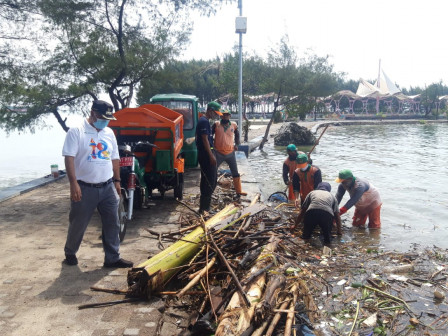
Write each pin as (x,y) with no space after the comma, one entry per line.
(26,156)
(407,163)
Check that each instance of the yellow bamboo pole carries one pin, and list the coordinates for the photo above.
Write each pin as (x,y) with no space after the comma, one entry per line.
(161,267)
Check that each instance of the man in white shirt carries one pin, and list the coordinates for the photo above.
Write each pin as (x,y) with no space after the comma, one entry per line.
(93,169)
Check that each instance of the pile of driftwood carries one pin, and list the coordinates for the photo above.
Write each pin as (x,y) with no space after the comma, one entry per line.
(240,268)
(244,272)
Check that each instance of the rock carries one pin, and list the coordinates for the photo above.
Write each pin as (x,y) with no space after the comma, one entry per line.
(370,321)
(439,295)
(292,133)
(414,321)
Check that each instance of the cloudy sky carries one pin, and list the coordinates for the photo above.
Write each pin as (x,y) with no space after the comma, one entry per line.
(408,36)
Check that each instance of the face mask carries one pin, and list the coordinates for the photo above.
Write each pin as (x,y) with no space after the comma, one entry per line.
(303,169)
(224,121)
(101,123)
(292,156)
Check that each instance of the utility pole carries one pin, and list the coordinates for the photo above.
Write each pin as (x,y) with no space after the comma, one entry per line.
(378,84)
(240,28)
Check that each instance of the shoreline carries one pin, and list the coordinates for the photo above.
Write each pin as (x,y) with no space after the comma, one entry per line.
(256,131)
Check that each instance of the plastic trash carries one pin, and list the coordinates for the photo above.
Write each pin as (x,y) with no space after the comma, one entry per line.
(278,196)
(303,324)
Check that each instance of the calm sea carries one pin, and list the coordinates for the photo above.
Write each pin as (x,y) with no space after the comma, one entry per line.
(407,163)
(26,156)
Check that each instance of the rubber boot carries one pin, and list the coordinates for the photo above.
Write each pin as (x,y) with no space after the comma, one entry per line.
(204,203)
(237,185)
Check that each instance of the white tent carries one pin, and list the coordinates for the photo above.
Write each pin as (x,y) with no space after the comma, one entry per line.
(367,90)
(383,88)
(386,86)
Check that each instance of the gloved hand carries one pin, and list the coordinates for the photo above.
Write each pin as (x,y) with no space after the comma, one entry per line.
(342,210)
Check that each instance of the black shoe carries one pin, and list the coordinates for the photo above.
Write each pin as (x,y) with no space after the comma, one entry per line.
(70,259)
(120,263)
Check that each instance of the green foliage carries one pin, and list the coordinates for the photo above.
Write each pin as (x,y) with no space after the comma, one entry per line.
(128,46)
(87,48)
(277,117)
(199,78)
(208,80)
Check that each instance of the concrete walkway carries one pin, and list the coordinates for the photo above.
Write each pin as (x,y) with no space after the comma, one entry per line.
(20,189)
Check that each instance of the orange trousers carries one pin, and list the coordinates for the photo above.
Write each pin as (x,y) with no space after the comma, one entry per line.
(360,219)
(291,196)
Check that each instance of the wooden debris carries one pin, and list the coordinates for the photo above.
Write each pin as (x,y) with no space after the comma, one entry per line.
(243,272)
(150,276)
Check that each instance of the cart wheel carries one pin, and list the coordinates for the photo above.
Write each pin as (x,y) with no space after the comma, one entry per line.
(138,198)
(122,216)
(179,191)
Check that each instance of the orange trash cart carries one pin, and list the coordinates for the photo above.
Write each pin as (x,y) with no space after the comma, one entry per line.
(163,163)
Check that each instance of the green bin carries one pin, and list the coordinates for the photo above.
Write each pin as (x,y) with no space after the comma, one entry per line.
(163,160)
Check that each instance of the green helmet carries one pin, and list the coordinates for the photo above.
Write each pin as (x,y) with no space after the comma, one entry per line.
(291,148)
(344,174)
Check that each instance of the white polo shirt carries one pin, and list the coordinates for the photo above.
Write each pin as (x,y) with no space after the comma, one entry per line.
(93,152)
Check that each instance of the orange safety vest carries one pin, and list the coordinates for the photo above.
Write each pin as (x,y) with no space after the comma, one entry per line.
(292,167)
(306,181)
(225,139)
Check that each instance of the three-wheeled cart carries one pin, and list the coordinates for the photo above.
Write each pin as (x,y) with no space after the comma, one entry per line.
(163,128)
(150,139)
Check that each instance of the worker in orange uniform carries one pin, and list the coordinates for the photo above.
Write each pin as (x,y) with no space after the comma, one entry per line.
(306,178)
(363,195)
(227,139)
(289,166)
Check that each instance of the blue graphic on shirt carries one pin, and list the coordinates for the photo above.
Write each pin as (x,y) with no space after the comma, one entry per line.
(99,150)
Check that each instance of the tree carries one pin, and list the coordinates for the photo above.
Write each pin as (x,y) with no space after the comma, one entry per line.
(96,47)
(254,73)
(208,80)
(282,76)
(317,81)
(17,13)
(300,83)
(429,98)
(199,78)
(18,37)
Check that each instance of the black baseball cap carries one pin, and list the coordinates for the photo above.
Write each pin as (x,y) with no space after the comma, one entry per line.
(104,108)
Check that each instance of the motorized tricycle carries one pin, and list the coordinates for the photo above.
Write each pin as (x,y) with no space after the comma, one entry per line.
(156,133)
(133,187)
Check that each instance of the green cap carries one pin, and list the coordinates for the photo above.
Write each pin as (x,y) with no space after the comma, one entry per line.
(291,148)
(215,107)
(223,111)
(302,158)
(344,174)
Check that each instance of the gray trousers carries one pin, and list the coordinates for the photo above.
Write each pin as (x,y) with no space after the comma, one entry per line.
(105,199)
(230,159)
